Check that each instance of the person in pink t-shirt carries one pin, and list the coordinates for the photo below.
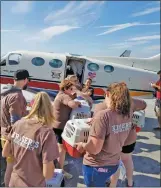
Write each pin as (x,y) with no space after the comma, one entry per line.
(33,145)
(109,130)
(129,145)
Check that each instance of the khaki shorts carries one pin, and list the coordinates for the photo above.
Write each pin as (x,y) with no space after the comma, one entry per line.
(8,159)
(157,111)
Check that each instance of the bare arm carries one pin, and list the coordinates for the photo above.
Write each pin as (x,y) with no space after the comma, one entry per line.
(49,154)
(155,86)
(6,152)
(48,170)
(138,105)
(94,145)
(74,104)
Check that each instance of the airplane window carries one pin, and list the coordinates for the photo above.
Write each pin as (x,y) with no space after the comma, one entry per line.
(93,67)
(55,63)
(108,68)
(3,63)
(38,61)
(14,59)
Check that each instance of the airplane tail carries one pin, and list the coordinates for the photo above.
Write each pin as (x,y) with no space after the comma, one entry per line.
(151,63)
(126,53)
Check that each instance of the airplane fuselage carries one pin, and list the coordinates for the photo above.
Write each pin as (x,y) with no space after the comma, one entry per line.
(48,69)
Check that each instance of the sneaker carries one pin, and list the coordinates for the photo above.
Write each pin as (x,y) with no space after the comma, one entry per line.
(67,175)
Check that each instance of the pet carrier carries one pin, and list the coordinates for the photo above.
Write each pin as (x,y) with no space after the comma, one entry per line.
(139,120)
(81,112)
(75,131)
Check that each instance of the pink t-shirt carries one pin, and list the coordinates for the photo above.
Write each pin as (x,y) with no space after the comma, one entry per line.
(137,104)
(61,110)
(116,132)
(12,104)
(32,146)
(113,128)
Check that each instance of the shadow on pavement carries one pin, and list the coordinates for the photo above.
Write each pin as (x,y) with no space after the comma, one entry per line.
(151,123)
(149,166)
(146,181)
(142,138)
(74,167)
(143,147)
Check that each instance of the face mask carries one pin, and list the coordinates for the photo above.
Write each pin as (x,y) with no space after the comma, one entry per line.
(24,87)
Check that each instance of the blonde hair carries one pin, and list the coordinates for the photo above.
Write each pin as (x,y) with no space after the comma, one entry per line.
(42,109)
(120,98)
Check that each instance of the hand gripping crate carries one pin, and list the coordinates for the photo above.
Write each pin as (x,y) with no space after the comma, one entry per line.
(75,131)
(139,119)
(81,112)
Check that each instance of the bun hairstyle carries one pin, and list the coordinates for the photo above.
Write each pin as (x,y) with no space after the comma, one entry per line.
(120,98)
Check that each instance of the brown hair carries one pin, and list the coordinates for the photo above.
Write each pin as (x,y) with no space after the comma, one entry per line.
(120,98)
(65,84)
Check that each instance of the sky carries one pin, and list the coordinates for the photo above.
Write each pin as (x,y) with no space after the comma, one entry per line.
(94,28)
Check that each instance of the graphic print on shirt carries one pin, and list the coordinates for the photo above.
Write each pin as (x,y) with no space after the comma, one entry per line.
(121,128)
(24,142)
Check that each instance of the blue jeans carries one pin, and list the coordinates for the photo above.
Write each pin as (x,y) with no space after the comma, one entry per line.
(98,176)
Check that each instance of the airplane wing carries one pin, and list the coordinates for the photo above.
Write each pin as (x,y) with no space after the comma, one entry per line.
(126,53)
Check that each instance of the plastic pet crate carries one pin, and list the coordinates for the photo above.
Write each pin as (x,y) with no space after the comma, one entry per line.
(81,112)
(139,120)
(57,180)
(75,131)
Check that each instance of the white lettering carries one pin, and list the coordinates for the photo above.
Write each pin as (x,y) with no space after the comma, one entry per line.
(121,128)
(24,142)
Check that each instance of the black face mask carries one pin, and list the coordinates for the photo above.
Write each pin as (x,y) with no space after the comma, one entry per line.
(24,87)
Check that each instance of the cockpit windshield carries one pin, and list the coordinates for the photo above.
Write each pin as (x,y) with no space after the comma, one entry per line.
(3,60)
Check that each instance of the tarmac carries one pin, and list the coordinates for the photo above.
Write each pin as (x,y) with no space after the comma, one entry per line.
(146,157)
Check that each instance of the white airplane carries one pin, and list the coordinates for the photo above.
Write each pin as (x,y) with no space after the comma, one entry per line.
(48,69)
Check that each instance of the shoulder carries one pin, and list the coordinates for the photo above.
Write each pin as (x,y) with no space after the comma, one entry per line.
(16,97)
(46,132)
(102,114)
(17,94)
(19,123)
(100,106)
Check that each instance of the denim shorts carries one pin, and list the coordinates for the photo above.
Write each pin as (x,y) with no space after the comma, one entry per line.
(98,176)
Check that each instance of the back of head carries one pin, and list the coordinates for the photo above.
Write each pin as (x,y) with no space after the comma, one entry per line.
(42,109)
(65,85)
(120,100)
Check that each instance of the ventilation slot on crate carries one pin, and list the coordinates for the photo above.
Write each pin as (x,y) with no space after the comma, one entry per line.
(71,128)
(86,134)
(68,133)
